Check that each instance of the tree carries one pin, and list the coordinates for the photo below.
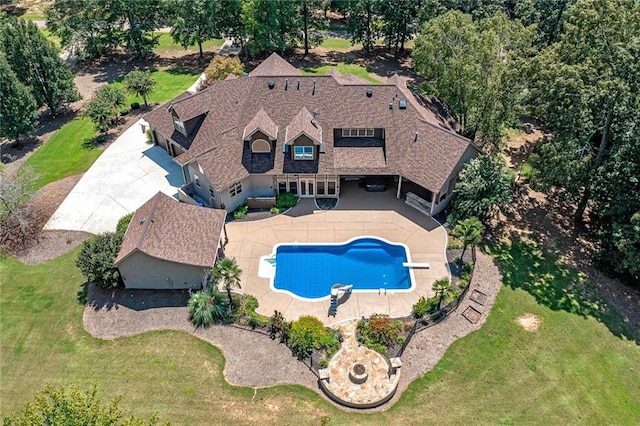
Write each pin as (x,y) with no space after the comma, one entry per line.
(469,231)
(398,17)
(313,23)
(16,216)
(443,288)
(478,9)
(73,406)
(86,27)
(220,68)
(363,22)
(271,25)
(19,112)
(35,59)
(474,68)
(587,89)
(140,83)
(483,189)
(96,258)
(547,15)
(194,22)
(139,20)
(104,107)
(227,271)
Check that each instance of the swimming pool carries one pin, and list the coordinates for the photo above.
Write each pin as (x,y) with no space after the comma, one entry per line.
(370,264)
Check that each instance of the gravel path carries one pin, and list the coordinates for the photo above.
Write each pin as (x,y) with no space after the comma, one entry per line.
(113,314)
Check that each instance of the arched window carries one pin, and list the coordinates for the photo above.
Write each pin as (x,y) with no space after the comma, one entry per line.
(260,145)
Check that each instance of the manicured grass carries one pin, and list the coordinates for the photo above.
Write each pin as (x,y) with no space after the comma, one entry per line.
(69,151)
(337,43)
(166,44)
(169,84)
(574,369)
(344,69)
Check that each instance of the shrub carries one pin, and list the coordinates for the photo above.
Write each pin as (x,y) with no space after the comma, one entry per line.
(286,200)
(96,259)
(468,267)
(123,224)
(220,68)
(463,283)
(526,171)
(101,138)
(465,276)
(207,306)
(379,332)
(241,212)
(124,112)
(309,332)
(135,105)
(424,306)
(274,210)
(149,134)
(323,363)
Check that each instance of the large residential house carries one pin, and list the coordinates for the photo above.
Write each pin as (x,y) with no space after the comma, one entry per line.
(277,130)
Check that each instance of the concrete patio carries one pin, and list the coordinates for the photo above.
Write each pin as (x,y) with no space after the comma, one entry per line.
(357,213)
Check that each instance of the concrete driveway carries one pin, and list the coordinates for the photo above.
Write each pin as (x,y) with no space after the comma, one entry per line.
(124,177)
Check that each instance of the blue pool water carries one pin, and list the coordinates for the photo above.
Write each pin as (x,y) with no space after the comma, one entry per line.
(309,270)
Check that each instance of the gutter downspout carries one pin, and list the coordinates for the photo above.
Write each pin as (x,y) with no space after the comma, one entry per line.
(399,186)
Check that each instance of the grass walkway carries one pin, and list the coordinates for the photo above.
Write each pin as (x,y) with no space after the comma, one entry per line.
(166,45)
(70,150)
(574,369)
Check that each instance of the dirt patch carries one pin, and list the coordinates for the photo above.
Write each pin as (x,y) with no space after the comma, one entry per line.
(530,322)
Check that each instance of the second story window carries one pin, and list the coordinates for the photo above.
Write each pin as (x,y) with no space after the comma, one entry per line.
(303,152)
(363,133)
(179,125)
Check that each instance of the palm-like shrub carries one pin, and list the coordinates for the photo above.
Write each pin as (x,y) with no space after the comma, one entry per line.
(227,272)
(469,231)
(199,308)
(443,288)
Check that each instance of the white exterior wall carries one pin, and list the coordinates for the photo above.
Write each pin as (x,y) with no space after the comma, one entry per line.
(261,186)
(203,190)
(142,271)
(469,154)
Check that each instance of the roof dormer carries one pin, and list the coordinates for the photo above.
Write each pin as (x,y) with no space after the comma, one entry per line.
(305,124)
(263,123)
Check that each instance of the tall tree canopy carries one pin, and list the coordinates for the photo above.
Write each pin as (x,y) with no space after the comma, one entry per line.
(473,68)
(313,23)
(194,22)
(36,60)
(587,89)
(398,22)
(19,112)
(363,22)
(547,15)
(478,9)
(272,26)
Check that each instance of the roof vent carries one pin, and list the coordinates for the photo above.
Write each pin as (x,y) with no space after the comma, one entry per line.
(390,105)
(286,84)
(315,113)
(298,84)
(313,92)
(272,84)
(369,93)
(142,221)
(402,104)
(415,138)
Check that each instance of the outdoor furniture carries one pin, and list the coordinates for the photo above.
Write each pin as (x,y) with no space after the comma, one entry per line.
(323,374)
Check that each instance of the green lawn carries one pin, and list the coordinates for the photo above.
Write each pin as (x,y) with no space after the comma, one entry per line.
(344,69)
(169,84)
(69,151)
(573,370)
(337,43)
(166,44)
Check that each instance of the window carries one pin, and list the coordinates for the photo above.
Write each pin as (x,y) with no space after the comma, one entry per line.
(235,189)
(303,152)
(320,187)
(212,192)
(331,188)
(196,180)
(282,187)
(358,133)
(179,125)
(260,145)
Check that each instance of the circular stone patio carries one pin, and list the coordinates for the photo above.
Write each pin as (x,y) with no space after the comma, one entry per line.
(369,385)
(358,213)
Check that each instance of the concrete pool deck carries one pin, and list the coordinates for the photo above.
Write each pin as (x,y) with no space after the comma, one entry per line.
(357,213)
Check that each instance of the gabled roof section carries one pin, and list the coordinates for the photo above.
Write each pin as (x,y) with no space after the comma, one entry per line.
(274,65)
(170,230)
(303,123)
(262,122)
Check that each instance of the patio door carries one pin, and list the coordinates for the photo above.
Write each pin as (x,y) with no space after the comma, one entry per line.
(307,187)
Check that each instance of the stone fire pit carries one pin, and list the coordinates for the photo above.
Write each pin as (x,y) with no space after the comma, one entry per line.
(358,374)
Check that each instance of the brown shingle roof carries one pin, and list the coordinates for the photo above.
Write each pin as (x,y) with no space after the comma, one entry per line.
(303,123)
(230,105)
(347,78)
(274,65)
(354,158)
(261,121)
(170,230)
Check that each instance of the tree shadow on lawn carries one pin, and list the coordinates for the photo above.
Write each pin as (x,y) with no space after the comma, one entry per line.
(526,265)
